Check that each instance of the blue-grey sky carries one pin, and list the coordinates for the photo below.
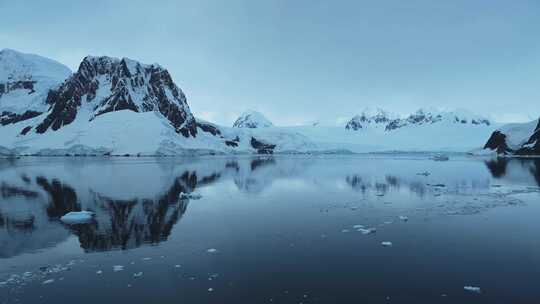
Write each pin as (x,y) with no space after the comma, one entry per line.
(301,60)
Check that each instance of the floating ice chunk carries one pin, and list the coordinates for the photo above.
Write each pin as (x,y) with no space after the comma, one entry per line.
(388,222)
(146,259)
(367,231)
(177,266)
(138,274)
(78,217)
(118,268)
(99,272)
(472,289)
(210,289)
(192,195)
(345,230)
(212,250)
(358,226)
(403,218)
(386,244)
(49,281)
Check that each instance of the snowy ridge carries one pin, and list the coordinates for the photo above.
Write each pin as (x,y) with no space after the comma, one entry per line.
(252,119)
(25,80)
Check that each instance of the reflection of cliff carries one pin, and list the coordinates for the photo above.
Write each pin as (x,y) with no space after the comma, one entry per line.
(30,209)
(515,169)
(127,224)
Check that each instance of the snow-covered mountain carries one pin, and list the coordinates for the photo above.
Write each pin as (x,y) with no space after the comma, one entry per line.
(423,117)
(105,84)
(116,106)
(252,120)
(516,138)
(25,80)
(378,118)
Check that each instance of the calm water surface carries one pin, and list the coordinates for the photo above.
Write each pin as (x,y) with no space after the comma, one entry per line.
(270,230)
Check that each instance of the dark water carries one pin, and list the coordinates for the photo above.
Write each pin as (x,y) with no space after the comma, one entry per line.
(282,230)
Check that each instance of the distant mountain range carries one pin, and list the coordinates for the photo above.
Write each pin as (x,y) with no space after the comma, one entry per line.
(113,106)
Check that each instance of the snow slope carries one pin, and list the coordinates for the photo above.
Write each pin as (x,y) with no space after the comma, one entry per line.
(25,80)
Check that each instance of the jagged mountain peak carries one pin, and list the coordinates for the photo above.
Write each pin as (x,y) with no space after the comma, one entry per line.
(252,119)
(105,84)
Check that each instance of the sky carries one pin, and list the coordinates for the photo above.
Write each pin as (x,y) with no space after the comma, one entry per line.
(305,60)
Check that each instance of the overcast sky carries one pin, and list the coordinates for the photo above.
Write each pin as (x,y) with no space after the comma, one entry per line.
(298,61)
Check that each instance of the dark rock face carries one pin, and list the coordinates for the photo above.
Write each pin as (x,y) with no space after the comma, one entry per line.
(355,123)
(11,118)
(17,85)
(122,84)
(209,128)
(261,147)
(497,142)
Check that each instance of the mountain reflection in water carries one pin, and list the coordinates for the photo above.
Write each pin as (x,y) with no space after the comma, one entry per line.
(137,202)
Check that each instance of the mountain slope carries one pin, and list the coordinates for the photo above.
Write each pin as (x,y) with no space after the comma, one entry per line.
(25,80)
(518,138)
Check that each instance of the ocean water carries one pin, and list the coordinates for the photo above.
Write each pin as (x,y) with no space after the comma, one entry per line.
(282,229)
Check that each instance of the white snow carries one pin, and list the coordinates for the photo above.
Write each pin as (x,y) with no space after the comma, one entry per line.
(75,217)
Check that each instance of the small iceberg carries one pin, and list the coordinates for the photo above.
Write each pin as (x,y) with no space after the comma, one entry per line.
(386,244)
(440,157)
(192,195)
(117,268)
(138,274)
(403,218)
(48,281)
(212,250)
(472,289)
(77,217)
(367,231)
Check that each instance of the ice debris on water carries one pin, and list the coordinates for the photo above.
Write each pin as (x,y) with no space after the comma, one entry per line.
(49,281)
(177,266)
(386,244)
(118,268)
(210,289)
(472,289)
(358,226)
(367,231)
(146,259)
(403,218)
(192,195)
(212,250)
(99,272)
(345,230)
(77,217)
(138,274)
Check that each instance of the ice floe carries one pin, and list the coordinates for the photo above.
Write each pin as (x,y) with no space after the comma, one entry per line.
(118,268)
(77,217)
(387,244)
(403,218)
(49,281)
(212,250)
(138,274)
(472,289)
